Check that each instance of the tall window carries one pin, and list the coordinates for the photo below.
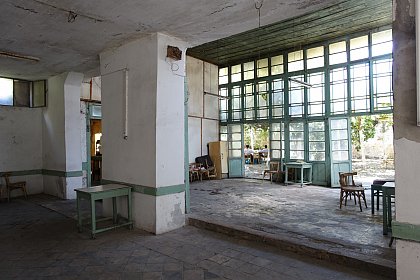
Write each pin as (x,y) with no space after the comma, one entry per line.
(277,140)
(316,141)
(296,97)
(277,98)
(236,103)
(382,84)
(262,100)
(316,94)
(297,141)
(223,103)
(249,101)
(338,90)
(359,82)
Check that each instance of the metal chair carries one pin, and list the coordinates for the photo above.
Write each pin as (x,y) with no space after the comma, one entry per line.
(14,186)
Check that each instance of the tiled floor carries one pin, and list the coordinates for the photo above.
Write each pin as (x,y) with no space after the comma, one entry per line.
(309,213)
(38,243)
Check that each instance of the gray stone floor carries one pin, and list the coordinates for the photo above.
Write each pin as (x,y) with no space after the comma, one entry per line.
(39,243)
(309,213)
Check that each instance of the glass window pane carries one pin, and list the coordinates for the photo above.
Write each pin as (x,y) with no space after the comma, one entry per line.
(382,84)
(223,76)
(296,97)
(97,111)
(359,48)
(315,57)
(235,75)
(6,91)
(277,98)
(295,61)
(38,94)
(316,94)
(338,53)
(338,90)
(277,65)
(359,82)
(262,68)
(249,70)
(21,90)
(382,42)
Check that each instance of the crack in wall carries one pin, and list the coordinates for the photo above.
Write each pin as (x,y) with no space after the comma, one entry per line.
(25,9)
(224,8)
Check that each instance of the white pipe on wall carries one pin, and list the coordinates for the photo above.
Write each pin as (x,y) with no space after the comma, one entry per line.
(126,104)
(417,7)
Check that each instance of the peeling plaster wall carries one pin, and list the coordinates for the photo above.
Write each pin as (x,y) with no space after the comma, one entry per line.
(203,110)
(406,135)
(21,144)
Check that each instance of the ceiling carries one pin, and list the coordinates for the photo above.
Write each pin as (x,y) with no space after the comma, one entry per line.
(68,35)
(337,20)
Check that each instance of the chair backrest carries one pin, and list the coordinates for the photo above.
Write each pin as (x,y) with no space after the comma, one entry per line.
(347,178)
(274,166)
(6,178)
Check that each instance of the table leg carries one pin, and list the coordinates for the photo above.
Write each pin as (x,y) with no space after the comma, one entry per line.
(79,215)
(372,200)
(389,216)
(286,175)
(93,217)
(301,177)
(130,218)
(385,212)
(114,210)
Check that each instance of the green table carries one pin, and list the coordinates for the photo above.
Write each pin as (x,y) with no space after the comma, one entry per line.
(388,192)
(102,192)
(302,166)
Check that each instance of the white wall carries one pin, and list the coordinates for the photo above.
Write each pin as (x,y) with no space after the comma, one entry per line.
(61,134)
(203,110)
(21,144)
(53,132)
(139,149)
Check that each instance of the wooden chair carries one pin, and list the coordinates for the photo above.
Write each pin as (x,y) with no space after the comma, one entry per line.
(209,171)
(274,170)
(349,188)
(194,171)
(14,186)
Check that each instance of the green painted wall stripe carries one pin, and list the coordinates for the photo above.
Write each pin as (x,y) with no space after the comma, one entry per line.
(150,190)
(406,231)
(24,172)
(46,172)
(62,173)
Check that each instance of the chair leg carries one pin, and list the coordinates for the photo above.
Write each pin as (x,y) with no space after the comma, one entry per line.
(341,198)
(364,198)
(360,203)
(24,191)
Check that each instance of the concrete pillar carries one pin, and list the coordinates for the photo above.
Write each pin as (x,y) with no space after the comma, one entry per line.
(143,129)
(62,162)
(406,135)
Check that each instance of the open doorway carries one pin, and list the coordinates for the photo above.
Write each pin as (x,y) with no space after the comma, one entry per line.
(372,147)
(96,151)
(256,141)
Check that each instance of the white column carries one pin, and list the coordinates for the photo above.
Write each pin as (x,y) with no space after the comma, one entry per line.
(143,128)
(62,162)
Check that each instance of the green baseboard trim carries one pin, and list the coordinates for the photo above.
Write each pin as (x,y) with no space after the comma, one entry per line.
(23,172)
(406,231)
(149,190)
(45,172)
(66,174)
